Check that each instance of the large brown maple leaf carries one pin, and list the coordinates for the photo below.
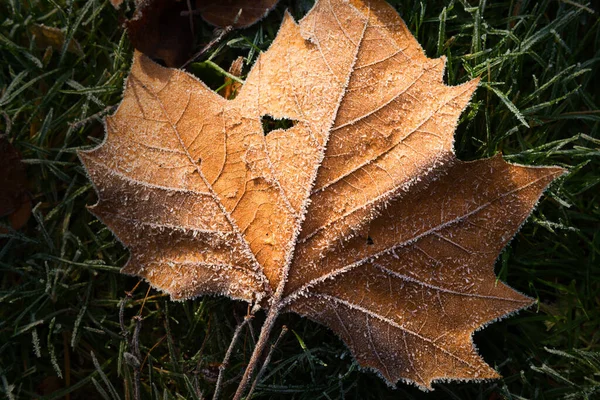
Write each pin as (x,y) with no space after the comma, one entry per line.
(359,216)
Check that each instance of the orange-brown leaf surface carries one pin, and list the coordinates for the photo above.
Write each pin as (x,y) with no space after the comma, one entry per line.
(359,216)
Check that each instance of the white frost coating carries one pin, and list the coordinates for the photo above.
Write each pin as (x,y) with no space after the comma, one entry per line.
(382,200)
(331,275)
(441,289)
(391,323)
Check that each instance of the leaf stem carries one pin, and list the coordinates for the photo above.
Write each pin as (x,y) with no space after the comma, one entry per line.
(263,367)
(225,362)
(136,352)
(263,339)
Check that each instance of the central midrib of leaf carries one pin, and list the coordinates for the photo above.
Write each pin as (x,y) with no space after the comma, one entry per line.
(277,303)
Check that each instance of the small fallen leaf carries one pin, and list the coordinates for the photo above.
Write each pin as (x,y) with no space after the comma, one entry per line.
(116,3)
(49,36)
(231,88)
(14,196)
(354,213)
(235,13)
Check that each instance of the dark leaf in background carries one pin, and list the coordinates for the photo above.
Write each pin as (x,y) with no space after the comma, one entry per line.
(159,30)
(164,29)
(224,13)
(14,196)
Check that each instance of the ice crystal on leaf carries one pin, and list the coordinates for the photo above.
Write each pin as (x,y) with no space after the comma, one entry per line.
(358,215)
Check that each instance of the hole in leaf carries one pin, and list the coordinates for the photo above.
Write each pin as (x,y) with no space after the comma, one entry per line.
(370,241)
(159,61)
(270,124)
